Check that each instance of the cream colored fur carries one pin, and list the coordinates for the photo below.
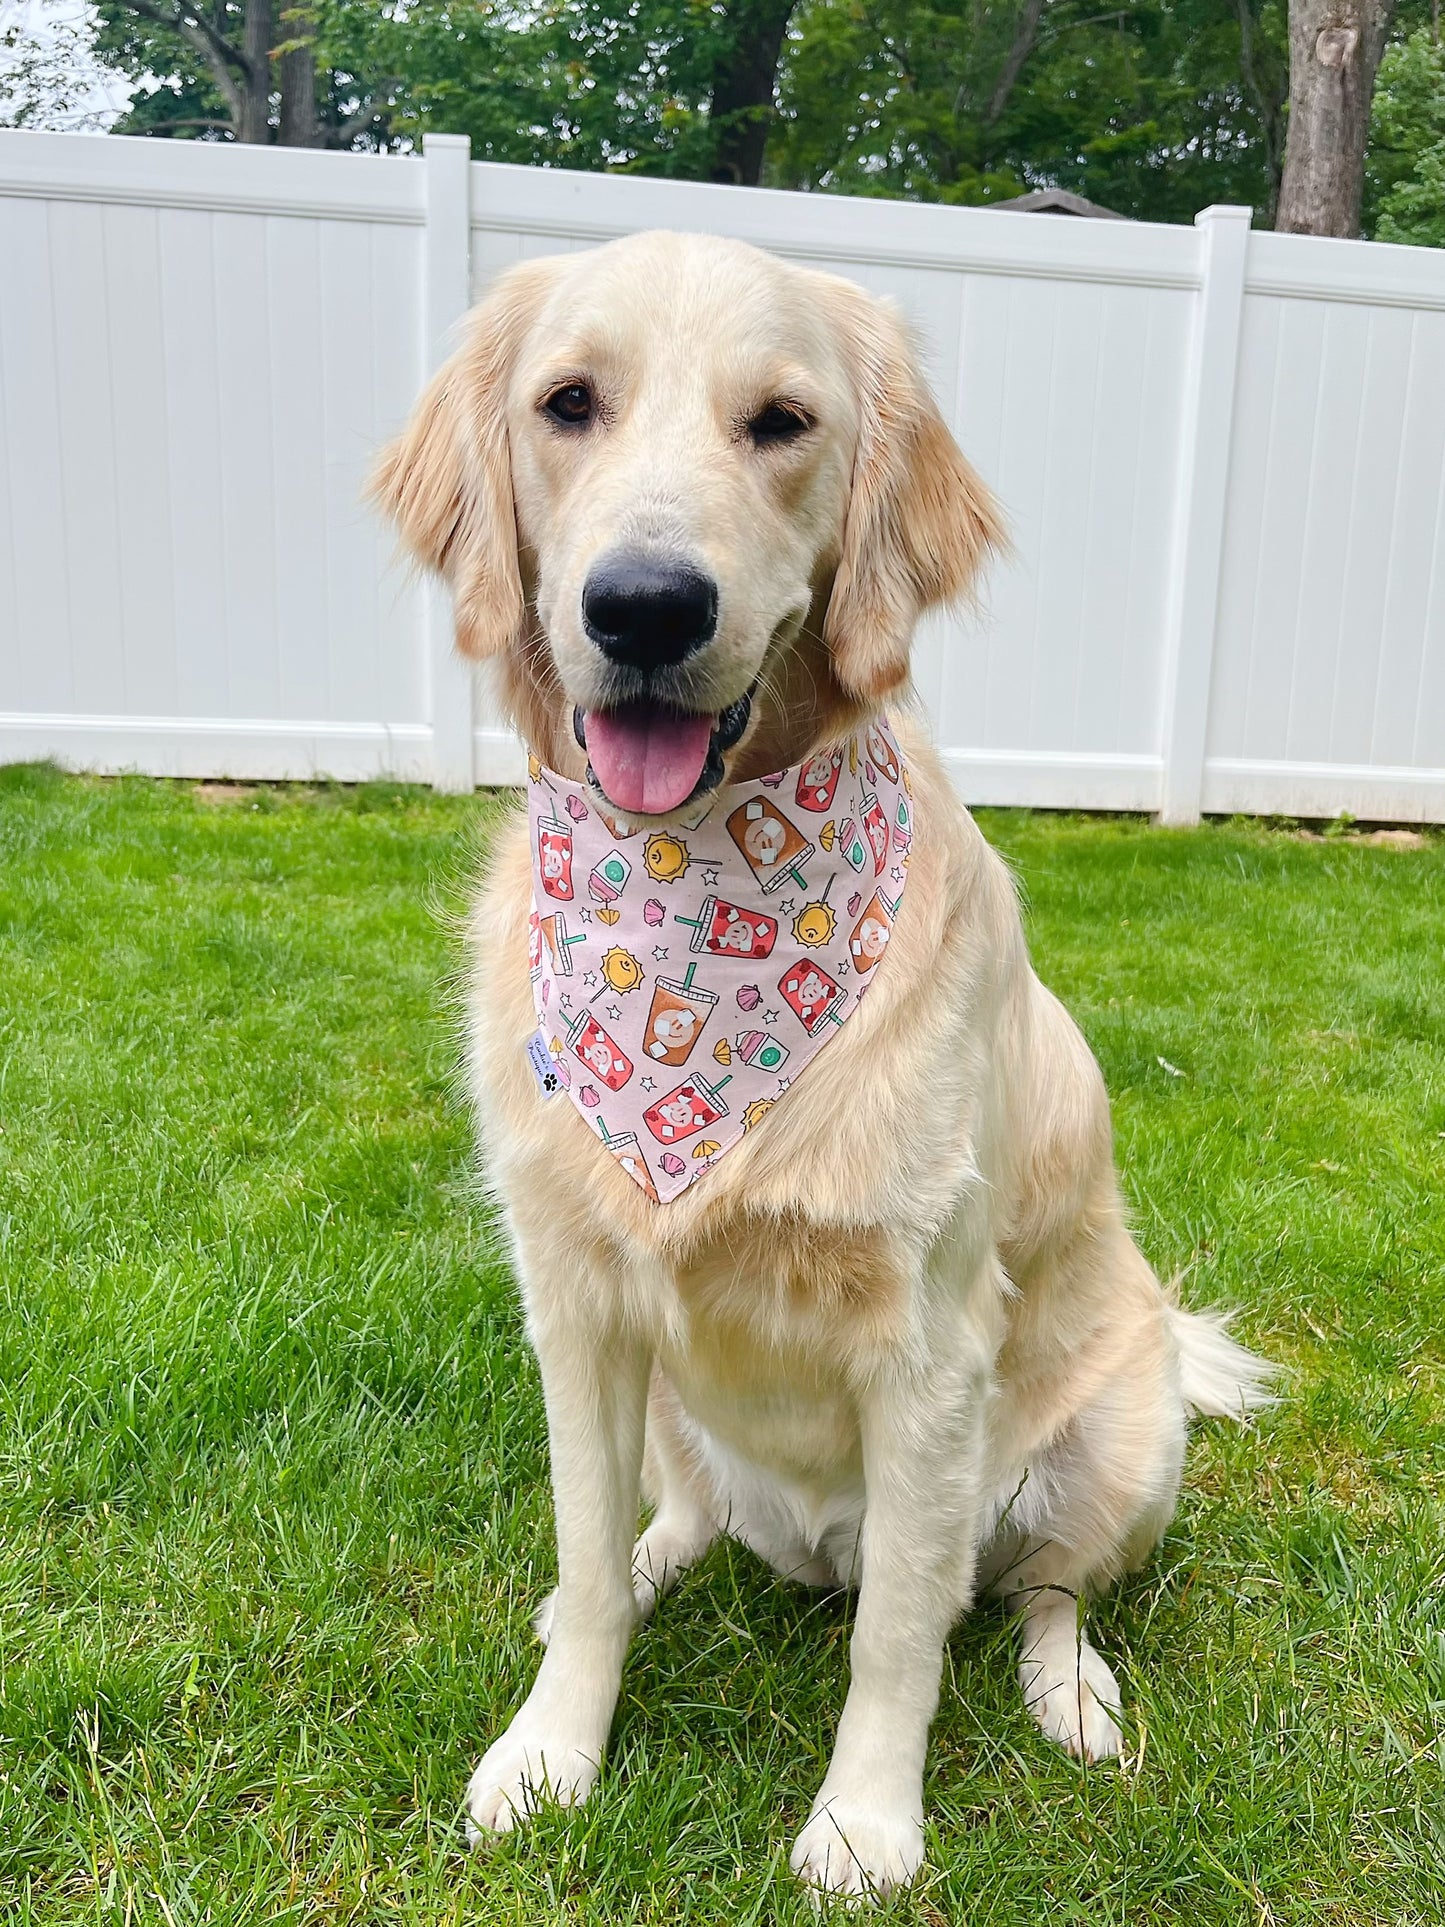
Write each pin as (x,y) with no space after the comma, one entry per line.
(900,1338)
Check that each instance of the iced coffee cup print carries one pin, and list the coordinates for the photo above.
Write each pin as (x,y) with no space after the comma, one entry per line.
(814,997)
(883,756)
(688,1109)
(602,1055)
(554,857)
(559,943)
(875,828)
(628,1153)
(871,933)
(534,946)
(726,929)
(772,847)
(818,779)
(676,1017)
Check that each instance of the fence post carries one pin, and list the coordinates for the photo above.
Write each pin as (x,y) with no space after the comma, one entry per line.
(445,299)
(1206,430)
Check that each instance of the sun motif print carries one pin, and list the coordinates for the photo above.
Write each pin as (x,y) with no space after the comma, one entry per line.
(685,976)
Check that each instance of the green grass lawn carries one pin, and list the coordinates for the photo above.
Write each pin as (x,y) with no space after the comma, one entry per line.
(273,1509)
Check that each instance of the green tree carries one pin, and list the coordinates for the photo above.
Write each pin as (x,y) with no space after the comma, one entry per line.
(301,73)
(1405,170)
(1154,109)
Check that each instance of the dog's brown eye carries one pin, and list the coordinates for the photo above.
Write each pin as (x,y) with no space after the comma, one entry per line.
(571,405)
(780,421)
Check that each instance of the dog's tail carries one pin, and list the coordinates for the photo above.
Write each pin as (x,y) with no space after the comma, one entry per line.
(1217,1376)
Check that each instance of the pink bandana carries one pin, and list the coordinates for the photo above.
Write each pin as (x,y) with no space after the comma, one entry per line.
(685,978)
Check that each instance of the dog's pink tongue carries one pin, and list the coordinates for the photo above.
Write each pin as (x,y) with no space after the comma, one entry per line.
(648,761)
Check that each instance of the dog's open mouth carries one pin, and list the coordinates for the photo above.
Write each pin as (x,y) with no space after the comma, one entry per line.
(649,759)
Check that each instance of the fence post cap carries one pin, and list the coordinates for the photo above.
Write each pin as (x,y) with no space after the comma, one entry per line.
(432,143)
(1208,215)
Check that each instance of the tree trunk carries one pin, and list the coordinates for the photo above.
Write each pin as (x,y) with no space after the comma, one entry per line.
(1026,35)
(1268,83)
(1334,55)
(300,122)
(254,121)
(742,88)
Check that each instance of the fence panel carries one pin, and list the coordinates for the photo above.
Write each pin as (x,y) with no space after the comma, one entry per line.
(200,350)
(1329,687)
(1220,453)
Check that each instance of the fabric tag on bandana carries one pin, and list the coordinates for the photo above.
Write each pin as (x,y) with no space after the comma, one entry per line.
(684,977)
(551,1073)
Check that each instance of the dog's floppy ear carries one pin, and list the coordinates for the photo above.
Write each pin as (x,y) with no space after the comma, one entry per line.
(446,481)
(919,522)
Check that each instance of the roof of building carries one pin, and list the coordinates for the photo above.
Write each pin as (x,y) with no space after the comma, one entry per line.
(1058,200)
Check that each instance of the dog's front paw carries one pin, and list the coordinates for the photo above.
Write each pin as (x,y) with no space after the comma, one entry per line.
(858,1851)
(522,1771)
(1075,1699)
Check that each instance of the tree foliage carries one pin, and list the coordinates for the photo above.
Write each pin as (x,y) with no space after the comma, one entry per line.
(1146,109)
(1405,170)
(1155,108)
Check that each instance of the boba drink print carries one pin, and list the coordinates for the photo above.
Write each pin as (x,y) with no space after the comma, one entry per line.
(771,901)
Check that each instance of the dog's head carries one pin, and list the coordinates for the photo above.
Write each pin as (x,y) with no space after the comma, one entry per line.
(693,500)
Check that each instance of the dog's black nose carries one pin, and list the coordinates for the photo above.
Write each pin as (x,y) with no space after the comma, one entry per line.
(648,613)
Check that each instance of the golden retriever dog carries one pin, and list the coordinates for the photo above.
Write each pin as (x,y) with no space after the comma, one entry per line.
(900,1337)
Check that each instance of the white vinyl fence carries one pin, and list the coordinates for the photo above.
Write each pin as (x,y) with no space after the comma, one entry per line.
(1221,453)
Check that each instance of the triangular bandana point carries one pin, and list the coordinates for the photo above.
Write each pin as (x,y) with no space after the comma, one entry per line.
(688,975)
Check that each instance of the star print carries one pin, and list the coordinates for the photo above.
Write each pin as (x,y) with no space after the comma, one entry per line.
(784,1084)
(786,907)
(566,1001)
(659,951)
(647,1084)
(896,874)
(586,915)
(614,1013)
(709,879)
(589,977)
(842,967)
(770,1017)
